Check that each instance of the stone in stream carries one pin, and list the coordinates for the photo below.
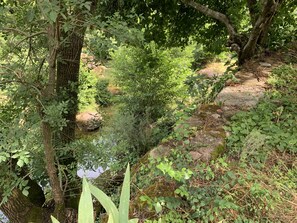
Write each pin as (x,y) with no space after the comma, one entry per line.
(88,121)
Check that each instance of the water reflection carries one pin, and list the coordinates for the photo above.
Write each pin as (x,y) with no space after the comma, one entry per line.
(90,173)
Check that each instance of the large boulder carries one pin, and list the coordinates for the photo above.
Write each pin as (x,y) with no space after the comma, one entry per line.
(88,121)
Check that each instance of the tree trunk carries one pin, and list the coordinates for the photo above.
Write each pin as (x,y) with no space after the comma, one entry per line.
(260,19)
(48,95)
(67,79)
(261,26)
(68,66)
(19,209)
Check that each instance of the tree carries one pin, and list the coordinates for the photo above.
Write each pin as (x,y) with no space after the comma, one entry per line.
(245,23)
(39,72)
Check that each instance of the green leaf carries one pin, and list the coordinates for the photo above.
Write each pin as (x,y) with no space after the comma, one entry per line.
(53,16)
(106,202)
(20,163)
(25,192)
(125,198)
(54,220)
(88,5)
(134,220)
(85,207)
(158,207)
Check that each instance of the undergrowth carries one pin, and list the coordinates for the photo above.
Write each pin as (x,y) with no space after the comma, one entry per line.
(254,181)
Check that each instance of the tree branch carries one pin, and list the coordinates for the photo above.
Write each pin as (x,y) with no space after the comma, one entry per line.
(31,35)
(266,15)
(213,14)
(261,25)
(18,31)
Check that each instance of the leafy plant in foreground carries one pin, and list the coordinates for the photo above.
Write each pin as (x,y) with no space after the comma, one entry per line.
(85,209)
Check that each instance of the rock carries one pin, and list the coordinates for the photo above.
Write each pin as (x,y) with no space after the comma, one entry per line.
(88,121)
(160,151)
(264,64)
(99,70)
(208,73)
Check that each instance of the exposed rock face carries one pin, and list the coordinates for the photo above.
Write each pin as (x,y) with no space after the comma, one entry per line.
(242,96)
(93,65)
(212,70)
(88,121)
(208,142)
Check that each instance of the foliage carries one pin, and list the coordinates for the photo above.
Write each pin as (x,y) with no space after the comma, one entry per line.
(176,22)
(120,215)
(34,108)
(283,79)
(274,121)
(113,31)
(274,118)
(150,78)
(284,26)
(253,182)
(87,89)
(218,191)
(204,89)
(103,96)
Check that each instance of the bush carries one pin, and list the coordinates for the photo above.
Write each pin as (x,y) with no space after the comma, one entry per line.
(87,90)
(115,215)
(150,78)
(284,27)
(274,118)
(103,96)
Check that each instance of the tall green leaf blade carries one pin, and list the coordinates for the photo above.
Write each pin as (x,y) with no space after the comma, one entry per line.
(125,198)
(85,207)
(106,202)
(54,220)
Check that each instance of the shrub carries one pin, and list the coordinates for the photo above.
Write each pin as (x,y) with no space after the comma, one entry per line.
(150,78)
(204,89)
(116,215)
(103,96)
(87,90)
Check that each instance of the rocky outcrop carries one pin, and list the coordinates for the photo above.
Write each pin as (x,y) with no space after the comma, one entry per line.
(88,121)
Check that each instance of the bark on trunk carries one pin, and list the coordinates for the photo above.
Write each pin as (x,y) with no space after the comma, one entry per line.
(261,26)
(48,95)
(261,20)
(67,88)
(19,209)
(67,79)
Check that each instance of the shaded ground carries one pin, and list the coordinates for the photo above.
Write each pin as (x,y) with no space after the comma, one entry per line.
(208,140)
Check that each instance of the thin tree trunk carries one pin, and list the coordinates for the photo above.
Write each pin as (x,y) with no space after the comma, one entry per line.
(47,133)
(68,66)
(263,22)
